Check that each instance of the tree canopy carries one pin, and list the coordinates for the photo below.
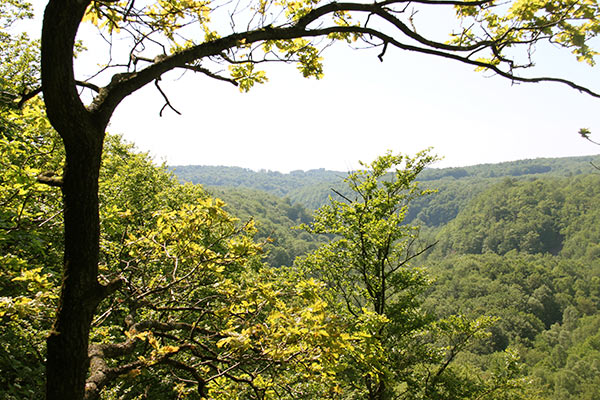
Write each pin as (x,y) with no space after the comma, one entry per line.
(225,41)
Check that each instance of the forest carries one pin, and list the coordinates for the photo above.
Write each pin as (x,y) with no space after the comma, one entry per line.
(121,279)
(517,241)
(235,292)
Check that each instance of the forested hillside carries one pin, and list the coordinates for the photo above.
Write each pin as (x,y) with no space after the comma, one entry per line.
(276,219)
(527,251)
(516,241)
(309,188)
(120,282)
(455,186)
(505,305)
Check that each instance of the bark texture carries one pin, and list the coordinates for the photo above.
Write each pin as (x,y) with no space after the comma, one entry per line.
(67,357)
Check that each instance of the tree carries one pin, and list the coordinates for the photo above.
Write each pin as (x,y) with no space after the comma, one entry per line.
(161,39)
(197,316)
(405,353)
(30,248)
(367,266)
(367,263)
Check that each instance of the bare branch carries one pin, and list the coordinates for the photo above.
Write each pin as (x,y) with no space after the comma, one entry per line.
(88,85)
(167,102)
(341,195)
(439,2)
(380,56)
(192,371)
(49,178)
(28,96)
(210,74)
(465,60)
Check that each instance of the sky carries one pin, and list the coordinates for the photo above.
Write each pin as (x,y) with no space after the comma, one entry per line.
(362,108)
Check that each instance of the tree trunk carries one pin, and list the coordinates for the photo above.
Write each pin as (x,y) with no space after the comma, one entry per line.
(67,360)
(83,134)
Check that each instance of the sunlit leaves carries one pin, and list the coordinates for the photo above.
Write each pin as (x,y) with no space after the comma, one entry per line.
(192,270)
(14,10)
(285,322)
(107,17)
(30,244)
(165,16)
(245,75)
(306,55)
(296,9)
(568,23)
(309,62)
(373,243)
(19,66)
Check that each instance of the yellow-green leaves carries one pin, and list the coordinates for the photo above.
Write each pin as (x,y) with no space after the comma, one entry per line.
(280,318)
(103,17)
(158,349)
(302,51)
(164,17)
(245,75)
(296,9)
(309,62)
(35,278)
(568,23)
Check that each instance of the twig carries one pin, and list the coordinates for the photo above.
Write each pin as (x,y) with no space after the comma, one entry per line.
(167,102)
(50,179)
(380,56)
(210,74)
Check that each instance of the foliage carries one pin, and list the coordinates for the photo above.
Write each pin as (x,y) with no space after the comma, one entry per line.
(298,186)
(30,247)
(269,333)
(19,56)
(216,324)
(198,315)
(511,215)
(565,359)
(275,220)
(568,24)
(407,353)
(367,262)
(540,301)
(30,215)
(187,249)
(455,187)
(534,216)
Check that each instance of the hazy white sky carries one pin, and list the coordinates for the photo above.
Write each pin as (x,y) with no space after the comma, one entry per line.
(361,109)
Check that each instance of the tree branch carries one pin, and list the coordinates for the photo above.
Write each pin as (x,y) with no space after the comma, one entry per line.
(192,371)
(124,84)
(210,74)
(49,178)
(167,102)
(341,195)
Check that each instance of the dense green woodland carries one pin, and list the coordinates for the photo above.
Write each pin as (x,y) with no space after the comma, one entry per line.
(517,240)
(119,282)
(505,305)
(236,292)
(455,186)
(520,250)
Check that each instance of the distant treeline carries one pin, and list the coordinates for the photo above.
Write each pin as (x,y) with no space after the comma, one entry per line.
(455,186)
